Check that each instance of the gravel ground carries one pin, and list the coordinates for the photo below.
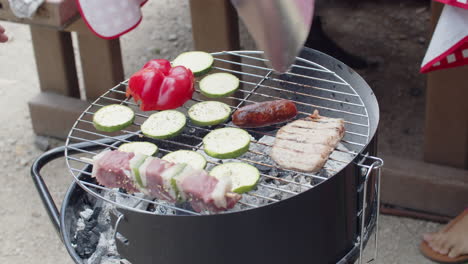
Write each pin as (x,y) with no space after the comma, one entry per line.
(26,233)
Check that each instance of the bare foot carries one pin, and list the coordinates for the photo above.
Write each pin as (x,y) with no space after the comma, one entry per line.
(452,240)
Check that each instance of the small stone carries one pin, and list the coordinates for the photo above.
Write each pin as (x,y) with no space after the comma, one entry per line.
(36,214)
(156,51)
(42,143)
(172,37)
(24,162)
(12,141)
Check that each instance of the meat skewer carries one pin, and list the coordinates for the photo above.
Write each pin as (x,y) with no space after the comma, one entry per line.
(163,180)
(306,144)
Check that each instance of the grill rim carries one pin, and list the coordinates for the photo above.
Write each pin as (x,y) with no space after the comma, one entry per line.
(372,128)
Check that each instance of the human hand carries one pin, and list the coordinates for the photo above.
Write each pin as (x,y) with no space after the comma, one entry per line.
(3,37)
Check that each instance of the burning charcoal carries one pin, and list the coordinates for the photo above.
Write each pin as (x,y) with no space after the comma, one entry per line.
(85,243)
(97,211)
(96,230)
(263,169)
(90,224)
(274,172)
(185,206)
(99,252)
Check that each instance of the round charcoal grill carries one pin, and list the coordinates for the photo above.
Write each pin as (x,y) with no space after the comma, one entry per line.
(291,216)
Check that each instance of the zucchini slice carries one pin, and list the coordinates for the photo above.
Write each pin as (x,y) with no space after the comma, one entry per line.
(219,84)
(111,118)
(164,124)
(244,177)
(192,158)
(209,113)
(142,170)
(135,164)
(168,183)
(146,148)
(226,143)
(198,62)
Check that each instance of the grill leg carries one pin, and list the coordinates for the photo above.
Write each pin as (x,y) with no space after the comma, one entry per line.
(55,62)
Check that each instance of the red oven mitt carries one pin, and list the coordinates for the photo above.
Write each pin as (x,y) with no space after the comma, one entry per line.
(449,44)
(111,18)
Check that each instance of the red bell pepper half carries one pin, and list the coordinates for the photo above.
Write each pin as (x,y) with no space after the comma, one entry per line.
(160,87)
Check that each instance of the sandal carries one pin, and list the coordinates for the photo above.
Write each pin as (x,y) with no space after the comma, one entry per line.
(429,253)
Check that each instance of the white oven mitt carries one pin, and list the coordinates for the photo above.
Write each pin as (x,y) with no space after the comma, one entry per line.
(449,44)
(24,8)
(111,18)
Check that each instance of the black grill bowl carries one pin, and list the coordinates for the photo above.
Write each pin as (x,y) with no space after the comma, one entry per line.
(322,241)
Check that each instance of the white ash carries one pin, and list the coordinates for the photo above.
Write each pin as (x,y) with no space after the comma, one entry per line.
(106,251)
(80,224)
(86,214)
(164,208)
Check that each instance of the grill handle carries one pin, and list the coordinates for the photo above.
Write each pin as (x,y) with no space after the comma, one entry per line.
(40,184)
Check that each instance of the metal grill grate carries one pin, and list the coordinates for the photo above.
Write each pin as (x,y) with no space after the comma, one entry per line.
(310,85)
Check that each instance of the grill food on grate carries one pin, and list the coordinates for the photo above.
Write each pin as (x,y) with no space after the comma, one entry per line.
(164,180)
(306,144)
(264,114)
(308,86)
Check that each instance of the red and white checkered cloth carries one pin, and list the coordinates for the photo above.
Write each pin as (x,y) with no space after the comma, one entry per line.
(457,3)
(449,44)
(111,18)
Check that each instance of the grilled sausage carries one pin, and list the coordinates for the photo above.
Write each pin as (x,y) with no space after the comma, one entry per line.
(264,114)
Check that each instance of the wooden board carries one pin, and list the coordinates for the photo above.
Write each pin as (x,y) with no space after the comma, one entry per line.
(53,13)
(55,61)
(425,187)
